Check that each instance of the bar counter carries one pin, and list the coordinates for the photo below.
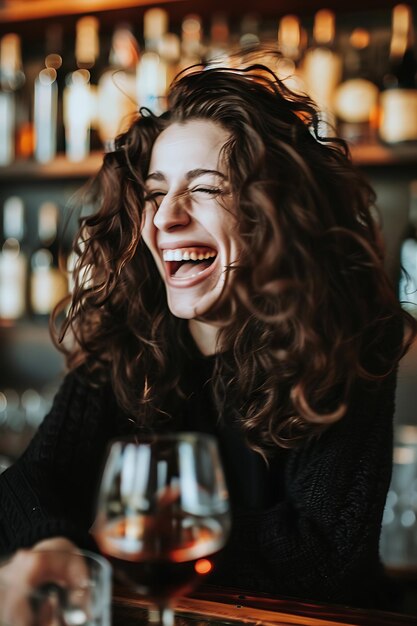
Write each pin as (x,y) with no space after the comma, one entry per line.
(219,606)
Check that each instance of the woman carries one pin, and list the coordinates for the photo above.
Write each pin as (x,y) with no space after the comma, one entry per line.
(230,280)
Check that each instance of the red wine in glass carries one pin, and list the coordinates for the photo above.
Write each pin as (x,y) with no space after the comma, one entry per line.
(163,515)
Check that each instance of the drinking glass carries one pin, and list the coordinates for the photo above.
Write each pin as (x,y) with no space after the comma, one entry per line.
(55,587)
(163,514)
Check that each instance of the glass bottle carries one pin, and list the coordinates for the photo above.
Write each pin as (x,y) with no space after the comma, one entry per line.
(116,92)
(219,45)
(48,284)
(79,93)
(152,72)
(289,46)
(13,262)
(356,98)
(322,67)
(191,41)
(45,115)
(11,80)
(399,99)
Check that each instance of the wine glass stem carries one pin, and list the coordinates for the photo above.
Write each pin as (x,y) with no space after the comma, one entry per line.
(161,615)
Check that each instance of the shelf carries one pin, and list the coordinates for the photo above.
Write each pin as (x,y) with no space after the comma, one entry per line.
(375,154)
(372,155)
(14,11)
(59,168)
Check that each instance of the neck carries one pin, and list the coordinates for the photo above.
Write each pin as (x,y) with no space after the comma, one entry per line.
(205,336)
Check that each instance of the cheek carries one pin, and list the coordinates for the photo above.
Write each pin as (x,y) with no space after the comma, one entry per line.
(148,229)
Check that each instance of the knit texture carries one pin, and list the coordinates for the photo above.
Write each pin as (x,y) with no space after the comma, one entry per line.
(319,540)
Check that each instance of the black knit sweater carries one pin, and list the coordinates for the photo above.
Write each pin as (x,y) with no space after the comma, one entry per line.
(317,540)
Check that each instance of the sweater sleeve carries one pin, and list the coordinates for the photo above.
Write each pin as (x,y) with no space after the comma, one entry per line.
(321,540)
(50,490)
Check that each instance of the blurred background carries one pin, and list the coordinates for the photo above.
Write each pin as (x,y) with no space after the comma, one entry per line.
(71,75)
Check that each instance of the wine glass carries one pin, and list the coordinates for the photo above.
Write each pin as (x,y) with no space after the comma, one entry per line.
(163,514)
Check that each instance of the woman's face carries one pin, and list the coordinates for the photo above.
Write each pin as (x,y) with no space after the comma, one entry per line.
(189,219)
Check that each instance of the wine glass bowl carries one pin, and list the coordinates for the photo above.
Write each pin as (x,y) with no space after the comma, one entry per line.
(163,513)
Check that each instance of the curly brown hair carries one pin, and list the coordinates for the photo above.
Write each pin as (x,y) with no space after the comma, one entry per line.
(306,303)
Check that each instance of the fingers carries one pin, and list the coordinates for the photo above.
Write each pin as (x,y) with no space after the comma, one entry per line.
(44,582)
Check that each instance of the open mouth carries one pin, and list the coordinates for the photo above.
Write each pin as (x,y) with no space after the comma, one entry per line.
(186,263)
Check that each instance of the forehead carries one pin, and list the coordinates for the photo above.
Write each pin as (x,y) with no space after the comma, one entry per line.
(189,145)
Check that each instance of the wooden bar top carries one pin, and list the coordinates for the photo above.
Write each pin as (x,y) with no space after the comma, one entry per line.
(219,606)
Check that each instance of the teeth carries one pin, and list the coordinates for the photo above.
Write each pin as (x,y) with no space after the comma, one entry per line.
(185,255)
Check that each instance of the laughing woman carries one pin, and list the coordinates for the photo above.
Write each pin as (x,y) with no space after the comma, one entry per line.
(230,281)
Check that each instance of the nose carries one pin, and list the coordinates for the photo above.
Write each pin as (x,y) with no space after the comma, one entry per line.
(172,213)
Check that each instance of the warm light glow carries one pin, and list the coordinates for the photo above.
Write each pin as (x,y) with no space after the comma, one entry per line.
(289,36)
(54,61)
(324,27)
(401,21)
(360,38)
(203,566)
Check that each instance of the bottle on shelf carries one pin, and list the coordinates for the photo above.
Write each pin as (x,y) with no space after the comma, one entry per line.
(322,67)
(289,46)
(170,52)
(79,93)
(116,92)
(13,262)
(408,279)
(191,41)
(249,36)
(48,284)
(47,112)
(45,115)
(40,126)
(399,98)
(54,59)
(217,52)
(152,71)
(357,97)
(12,79)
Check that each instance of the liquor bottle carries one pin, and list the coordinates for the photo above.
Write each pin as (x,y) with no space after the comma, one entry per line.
(289,46)
(356,98)
(399,99)
(11,80)
(219,45)
(13,262)
(48,284)
(170,52)
(47,112)
(54,60)
(45,115)
(79,94)
(152,71)
(191,41)
(322,67)
(116,92)
(40,126)
(249,31)
(408,279)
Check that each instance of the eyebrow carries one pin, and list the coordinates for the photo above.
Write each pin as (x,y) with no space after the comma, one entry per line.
(159,176)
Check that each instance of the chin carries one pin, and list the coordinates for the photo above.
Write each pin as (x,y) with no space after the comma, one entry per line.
(179,307)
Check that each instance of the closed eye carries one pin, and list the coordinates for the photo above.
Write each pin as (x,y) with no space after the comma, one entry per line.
(155,196)
(211,191)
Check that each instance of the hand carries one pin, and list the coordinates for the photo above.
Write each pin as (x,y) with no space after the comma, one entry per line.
(49,562)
